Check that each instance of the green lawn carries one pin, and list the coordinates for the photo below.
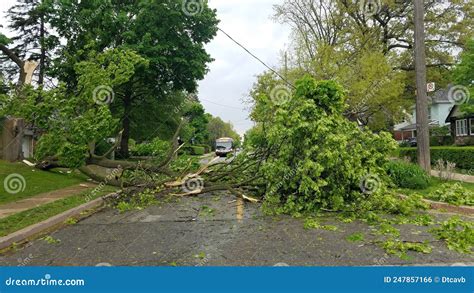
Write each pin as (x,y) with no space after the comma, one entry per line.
(24,219)
(35,181)
(436,183)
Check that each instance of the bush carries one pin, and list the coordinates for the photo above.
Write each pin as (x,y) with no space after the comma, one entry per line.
(441,140)
(406,175)
(192,150)
(207,148)
(156,148)
(462,156)
(197,150)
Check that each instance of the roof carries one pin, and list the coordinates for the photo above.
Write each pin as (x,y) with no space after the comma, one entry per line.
(457,113)
(225,139)
(431,123)
(441,96)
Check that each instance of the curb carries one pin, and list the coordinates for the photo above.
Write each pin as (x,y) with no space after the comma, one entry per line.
(466,210)
(37,228)
(436,205)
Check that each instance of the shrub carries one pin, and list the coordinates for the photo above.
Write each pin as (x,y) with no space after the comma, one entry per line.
(462,156)
(207,148)
(156,148)
(441,140)
(197,150)
(407,175)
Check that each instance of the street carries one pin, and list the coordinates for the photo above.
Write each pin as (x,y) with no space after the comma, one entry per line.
(216,230)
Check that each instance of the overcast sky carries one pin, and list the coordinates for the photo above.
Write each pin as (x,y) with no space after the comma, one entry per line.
(233,72)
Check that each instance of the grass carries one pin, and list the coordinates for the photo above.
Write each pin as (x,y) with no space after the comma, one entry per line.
(24,219)
(452,192)
(435,185)
(35,181)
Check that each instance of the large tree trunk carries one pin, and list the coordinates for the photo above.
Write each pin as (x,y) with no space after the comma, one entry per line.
(422,128)
(42,62)
(127,109)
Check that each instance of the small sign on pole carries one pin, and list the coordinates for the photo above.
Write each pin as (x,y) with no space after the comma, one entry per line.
(431,87)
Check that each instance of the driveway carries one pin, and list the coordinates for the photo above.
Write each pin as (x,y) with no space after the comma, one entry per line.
(215,230)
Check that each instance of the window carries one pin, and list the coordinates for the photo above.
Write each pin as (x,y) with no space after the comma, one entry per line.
(472,126)
(461,127)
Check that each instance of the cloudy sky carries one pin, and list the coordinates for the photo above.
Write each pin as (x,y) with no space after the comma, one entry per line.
(233,72)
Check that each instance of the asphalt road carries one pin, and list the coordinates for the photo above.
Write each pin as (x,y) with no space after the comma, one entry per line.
(215,230)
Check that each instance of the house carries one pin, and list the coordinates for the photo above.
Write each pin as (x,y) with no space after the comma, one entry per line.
(439,107)
(16,140)
(462,126)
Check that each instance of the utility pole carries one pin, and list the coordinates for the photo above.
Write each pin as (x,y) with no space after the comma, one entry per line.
(422,128)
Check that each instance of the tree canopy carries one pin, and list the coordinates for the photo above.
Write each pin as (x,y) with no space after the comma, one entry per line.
(368,49)
(464,77)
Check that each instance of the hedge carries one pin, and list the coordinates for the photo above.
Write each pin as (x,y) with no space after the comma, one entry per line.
(192,150)
(462,156)
(197,150)
(207,148)
(407,175)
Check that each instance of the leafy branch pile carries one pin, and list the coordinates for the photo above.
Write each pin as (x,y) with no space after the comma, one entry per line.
(333,164)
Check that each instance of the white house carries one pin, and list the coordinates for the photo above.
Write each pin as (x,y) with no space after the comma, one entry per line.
(440,105)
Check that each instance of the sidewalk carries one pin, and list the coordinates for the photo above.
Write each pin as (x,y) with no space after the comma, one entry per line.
(456,176)
(41,199)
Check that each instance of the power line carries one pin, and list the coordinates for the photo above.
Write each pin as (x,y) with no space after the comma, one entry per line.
(222,105)
(258,59)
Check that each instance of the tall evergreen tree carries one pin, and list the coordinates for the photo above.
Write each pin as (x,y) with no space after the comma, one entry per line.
(33,39)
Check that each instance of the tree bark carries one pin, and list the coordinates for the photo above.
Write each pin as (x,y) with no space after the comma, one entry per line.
(422,127)
(42,62)
(127,109)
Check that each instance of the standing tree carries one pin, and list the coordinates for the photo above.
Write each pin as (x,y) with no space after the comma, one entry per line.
(33,39)
(170,38)
(218,128)
(422,128)
(197,127)
(335,39)
(463,75)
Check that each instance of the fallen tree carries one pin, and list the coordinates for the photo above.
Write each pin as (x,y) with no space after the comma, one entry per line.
(305,156)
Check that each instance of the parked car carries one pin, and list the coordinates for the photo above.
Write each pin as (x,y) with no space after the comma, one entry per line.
(412,142)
